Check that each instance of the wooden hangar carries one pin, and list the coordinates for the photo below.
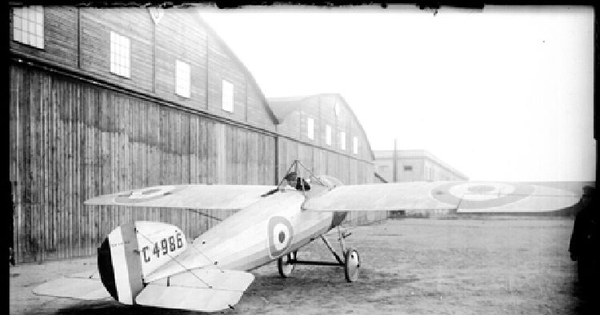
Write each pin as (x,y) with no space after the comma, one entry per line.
(105,100)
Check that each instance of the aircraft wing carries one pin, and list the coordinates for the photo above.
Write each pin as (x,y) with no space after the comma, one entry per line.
(464,197)
(206,197)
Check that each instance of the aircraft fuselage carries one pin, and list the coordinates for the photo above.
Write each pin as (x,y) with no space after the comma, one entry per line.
(255,236)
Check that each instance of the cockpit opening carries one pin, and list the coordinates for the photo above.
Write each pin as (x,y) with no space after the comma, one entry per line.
(311,185)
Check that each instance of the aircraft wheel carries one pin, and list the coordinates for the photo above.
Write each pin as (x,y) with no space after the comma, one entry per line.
(351,265)
(285,264)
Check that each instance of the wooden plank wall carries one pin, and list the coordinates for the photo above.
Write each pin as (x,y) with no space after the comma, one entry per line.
(72,140)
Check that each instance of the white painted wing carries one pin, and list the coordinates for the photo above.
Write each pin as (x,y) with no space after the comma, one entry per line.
(82,286)
(473,197)
(204,290)
(383,197)
(207,197)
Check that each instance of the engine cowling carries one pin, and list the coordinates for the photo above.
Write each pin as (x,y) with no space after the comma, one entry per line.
(133,251)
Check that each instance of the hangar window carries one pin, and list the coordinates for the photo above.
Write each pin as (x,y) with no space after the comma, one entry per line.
(408,168)
(28,25)
(336,109)
(227,96)
(328,134)
(182,79)
(355,145)
(342,140)
(310,128)
(119,54)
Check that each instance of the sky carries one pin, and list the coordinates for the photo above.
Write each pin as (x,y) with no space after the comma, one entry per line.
(503,93)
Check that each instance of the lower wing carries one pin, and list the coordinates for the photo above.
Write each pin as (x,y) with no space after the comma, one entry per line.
(464,197)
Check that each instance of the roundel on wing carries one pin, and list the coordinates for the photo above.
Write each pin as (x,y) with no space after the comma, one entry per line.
(481,195)
(280,234)
(146,194)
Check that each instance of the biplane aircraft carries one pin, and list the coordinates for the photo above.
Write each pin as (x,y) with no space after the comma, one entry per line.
(152,263)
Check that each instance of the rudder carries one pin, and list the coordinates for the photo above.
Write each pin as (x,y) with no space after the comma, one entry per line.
(134,250)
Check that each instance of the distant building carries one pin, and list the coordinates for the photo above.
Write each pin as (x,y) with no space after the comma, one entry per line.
(414,165)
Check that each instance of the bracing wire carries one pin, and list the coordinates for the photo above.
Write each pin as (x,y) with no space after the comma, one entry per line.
(312,175)
(180,263)
(205,214)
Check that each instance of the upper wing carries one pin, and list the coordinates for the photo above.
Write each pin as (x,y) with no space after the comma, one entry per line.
(206,197)
(460,196)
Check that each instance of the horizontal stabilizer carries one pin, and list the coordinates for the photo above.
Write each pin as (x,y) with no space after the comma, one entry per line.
(82,286)
(205,197)
(204,290)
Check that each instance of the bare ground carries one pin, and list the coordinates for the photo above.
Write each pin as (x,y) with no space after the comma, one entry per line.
(477,265)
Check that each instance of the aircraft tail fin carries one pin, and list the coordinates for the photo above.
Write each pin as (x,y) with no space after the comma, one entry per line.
(205,290)
(82,286)
(134,250)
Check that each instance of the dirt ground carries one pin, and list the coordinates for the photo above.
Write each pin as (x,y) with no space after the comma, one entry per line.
(477,265)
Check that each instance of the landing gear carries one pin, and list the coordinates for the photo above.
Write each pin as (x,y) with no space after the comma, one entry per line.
(351,265)
(350,260)
(286,264)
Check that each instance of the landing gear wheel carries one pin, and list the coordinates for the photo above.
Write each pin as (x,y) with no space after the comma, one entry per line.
(285,264)
(351,265)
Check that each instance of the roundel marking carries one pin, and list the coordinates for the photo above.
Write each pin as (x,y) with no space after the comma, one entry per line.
(146,194)
(280,234)
(482,189)
(481,195)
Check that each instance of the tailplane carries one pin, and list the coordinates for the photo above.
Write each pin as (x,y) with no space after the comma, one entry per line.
(204,290)
(126,257)
(83,286)
(133,251)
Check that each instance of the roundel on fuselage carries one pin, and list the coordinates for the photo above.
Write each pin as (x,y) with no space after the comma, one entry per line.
(280,234)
